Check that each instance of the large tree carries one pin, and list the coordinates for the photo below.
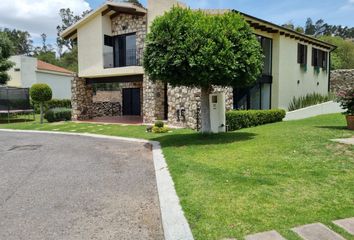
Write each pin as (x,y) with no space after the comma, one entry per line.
(68,18)
(193,49)
(5,53)
(21,40)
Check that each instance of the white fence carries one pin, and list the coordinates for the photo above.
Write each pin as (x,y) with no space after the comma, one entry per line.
(312,111)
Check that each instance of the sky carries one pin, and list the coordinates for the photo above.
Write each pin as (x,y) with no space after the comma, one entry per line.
(41,16)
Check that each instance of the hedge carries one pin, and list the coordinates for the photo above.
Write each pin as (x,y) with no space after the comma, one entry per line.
(54,103)
(58,114)
(244,119)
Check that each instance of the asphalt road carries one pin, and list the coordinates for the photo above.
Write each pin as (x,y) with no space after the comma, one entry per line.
(73,187)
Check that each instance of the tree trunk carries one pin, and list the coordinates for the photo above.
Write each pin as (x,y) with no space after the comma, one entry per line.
(205,109)
(41,106)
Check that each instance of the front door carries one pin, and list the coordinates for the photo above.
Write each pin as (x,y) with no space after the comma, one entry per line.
(131,101)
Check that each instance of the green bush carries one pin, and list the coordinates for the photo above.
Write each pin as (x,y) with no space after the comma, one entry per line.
(58,114)
(244,119)
(309,100)
(159,124)
(54,103)
(160,129)
(41,92)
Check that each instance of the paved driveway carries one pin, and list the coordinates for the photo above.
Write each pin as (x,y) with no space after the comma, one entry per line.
(72,187)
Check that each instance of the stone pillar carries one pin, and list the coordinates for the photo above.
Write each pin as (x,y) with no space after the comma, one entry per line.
(81,99)
(153,95)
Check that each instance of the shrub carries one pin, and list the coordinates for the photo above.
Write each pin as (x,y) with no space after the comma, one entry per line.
(159,124)
(346,99)
(160,129)
(58,114)
(41,93)
(309,100)
(244,119)
(54,103)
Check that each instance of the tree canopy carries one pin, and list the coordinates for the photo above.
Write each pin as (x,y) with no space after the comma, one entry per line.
(5,53)
(194,49)
(191,48)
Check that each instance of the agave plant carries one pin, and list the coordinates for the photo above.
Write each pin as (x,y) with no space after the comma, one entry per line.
(309,100)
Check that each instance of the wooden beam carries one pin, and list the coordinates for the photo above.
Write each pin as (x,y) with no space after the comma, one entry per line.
(108,10)
(71,34)
(120,79)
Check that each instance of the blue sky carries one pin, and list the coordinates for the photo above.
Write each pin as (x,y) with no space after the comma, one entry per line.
(281,11)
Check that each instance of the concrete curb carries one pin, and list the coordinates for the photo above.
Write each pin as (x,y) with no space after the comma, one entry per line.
(174,223)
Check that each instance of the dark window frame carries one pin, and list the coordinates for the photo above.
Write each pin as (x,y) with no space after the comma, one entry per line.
(260,38)
(319,58)
(120,41)
(302,54)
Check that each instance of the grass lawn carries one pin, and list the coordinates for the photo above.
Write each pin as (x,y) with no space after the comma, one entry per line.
(276,176)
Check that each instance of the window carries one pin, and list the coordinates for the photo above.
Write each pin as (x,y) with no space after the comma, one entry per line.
(266,44)
(319,58)
(257,97)
(302,54)
(120,51)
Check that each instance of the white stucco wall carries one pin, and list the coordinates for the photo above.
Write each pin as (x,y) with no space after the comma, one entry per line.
(90,51)
(29,75)
(59,83)
(290,72)
(26,77)
(15,76)
(158,8)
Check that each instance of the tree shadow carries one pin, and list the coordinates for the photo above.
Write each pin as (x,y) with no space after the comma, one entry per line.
(178,140)
(15,120)
(333,127)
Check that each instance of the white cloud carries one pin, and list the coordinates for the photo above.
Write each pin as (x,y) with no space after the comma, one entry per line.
(348,6)
(37,16)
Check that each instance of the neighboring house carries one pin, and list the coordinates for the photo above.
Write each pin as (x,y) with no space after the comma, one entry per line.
(111,43)
(29,70)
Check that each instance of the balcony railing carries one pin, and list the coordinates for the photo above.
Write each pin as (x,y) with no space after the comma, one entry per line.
(131,57)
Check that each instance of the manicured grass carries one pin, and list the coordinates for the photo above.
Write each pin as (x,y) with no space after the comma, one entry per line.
(276,176)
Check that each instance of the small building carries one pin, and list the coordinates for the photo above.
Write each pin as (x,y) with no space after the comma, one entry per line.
(110,49)
(29,70)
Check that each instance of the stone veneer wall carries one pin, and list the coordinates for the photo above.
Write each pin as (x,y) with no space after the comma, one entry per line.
(189,100)
(342,79)
(83,106)
(154,99)
(81,99)
(125,24)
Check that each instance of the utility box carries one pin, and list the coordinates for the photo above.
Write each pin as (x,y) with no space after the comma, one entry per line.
(217,112)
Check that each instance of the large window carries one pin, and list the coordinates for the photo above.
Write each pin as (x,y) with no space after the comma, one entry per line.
(120,51)
(257,97)
(319,58)
(266,44)
(302,54)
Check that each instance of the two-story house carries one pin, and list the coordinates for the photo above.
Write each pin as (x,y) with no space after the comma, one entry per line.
(110,48)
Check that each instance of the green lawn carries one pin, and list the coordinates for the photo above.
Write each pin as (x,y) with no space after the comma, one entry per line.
(276,176)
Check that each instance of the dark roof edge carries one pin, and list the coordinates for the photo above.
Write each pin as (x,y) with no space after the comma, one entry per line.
(286,29)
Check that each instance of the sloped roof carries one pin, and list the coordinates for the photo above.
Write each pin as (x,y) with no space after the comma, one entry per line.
(52,68)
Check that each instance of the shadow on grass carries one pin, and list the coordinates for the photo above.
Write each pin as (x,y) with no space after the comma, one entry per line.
(333,127)
(178,140)
(17,120)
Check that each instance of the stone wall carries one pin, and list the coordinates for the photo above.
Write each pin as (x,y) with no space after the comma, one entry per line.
(187,100)
(125,24)
(342,79)
(104,109)
(153,104)
(107,96)
(84,107)
(81,99)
